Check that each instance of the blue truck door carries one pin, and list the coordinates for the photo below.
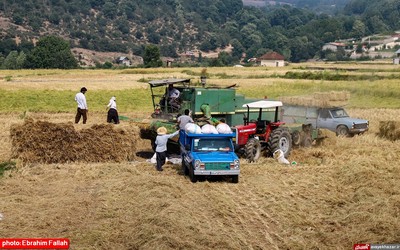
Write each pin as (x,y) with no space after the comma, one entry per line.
(325,120)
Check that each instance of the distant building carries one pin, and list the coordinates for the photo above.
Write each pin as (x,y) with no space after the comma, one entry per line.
(124,61)
(397,60)
(271,59)
(398,53)
(333,46)
(168,61)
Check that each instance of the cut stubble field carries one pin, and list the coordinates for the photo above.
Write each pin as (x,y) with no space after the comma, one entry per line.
(342,192)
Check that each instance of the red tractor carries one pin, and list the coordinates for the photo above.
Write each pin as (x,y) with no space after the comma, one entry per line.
(260,135)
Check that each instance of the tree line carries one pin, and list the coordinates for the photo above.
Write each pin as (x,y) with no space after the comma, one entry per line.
(176,26)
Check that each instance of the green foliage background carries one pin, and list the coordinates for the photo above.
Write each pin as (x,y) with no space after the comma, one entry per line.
(180,25)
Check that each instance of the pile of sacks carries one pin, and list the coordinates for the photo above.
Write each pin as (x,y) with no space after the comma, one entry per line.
(221,128)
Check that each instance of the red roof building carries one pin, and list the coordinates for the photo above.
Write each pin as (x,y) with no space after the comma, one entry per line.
(271,59)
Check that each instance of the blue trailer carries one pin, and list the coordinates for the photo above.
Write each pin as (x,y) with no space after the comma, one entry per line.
(208,155)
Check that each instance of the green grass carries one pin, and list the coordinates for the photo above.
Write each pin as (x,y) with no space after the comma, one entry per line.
(364,94)
(64,101)
(372,89)
(4,166)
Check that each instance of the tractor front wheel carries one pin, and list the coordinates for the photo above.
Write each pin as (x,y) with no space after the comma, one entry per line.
(252,150)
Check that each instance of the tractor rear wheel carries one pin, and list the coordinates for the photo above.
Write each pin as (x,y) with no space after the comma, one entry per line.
(280,139)
(252,150)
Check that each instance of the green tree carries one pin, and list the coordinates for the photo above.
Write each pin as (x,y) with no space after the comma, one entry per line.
(11,60)
(1,60)
(358,30)
(21,60)
(14,60)
(152,56)
(225,58)
(238,49)
(110,9)
(52,52)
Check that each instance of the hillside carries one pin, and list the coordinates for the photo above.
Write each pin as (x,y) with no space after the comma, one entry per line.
(321,6)
(178,26)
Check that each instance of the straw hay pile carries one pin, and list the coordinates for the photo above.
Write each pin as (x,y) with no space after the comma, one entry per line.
(46,142)
(319,99)
(389,130)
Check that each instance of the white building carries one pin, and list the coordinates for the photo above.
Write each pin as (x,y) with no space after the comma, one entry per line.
(271,59)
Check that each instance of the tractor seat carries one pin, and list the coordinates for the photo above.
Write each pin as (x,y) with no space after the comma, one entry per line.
(261,126)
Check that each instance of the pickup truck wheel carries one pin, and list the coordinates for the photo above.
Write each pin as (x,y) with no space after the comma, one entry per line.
(235,179)
(252,150)
(193,178)
(185,169)
(280,139)
(342,130)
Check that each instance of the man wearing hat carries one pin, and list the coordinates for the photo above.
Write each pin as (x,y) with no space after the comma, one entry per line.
(82,106)
(161,148)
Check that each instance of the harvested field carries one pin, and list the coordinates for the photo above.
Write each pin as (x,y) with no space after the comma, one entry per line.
(341,192)
(335,190)
(319,99)
(389,130)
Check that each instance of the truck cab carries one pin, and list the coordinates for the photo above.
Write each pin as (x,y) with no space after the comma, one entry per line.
(208,155)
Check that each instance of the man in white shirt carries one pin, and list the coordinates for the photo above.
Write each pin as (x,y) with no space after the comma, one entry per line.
(173,95)
(82,106)
(184,119)
(112,115)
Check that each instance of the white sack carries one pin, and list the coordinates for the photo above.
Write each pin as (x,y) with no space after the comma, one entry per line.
(209,129)
(224,128)
(154,159)
(278,154)
(192,128)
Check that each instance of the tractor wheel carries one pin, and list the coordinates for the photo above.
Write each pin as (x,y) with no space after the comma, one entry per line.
(252,150)
(185,169)
(193,178)
(296,138)
(280,139)
(307,141)
(342,130)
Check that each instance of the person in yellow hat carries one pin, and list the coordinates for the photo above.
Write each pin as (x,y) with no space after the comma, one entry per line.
(161,148)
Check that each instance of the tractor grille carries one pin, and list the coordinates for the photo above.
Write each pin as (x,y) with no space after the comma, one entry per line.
(218,166)
(361,126)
